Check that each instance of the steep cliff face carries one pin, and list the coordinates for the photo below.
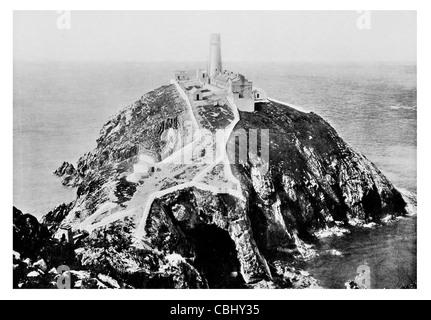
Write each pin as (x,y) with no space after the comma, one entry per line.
(314,181)
(157,124)
(218,232)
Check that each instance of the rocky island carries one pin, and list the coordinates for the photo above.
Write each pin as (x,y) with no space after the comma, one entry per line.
(195,238)
(167,199)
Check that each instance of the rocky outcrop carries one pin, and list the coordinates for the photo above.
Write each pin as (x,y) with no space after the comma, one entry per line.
(314,180)
(158,124)
(35,252)
(218,234)
(54,218)
(310,181)
(105,260)
(29,236)
(68,174)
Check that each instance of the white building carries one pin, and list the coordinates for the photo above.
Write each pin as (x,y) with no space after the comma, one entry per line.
(143,169)
(231,84)
(236,85)
(215,65)
(196,94)
(259,95)
(181,75)
(65,233)
(202,75)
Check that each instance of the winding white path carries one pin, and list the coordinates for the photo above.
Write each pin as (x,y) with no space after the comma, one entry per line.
(196,181)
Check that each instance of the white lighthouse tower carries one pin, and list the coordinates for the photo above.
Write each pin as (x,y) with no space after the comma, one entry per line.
(215,56)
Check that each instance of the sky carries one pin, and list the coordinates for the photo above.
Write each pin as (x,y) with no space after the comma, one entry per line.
(250,36)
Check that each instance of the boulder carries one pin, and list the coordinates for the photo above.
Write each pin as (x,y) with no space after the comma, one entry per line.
(41,264)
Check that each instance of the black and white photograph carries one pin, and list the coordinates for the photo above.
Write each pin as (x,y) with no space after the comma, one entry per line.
(214,149)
